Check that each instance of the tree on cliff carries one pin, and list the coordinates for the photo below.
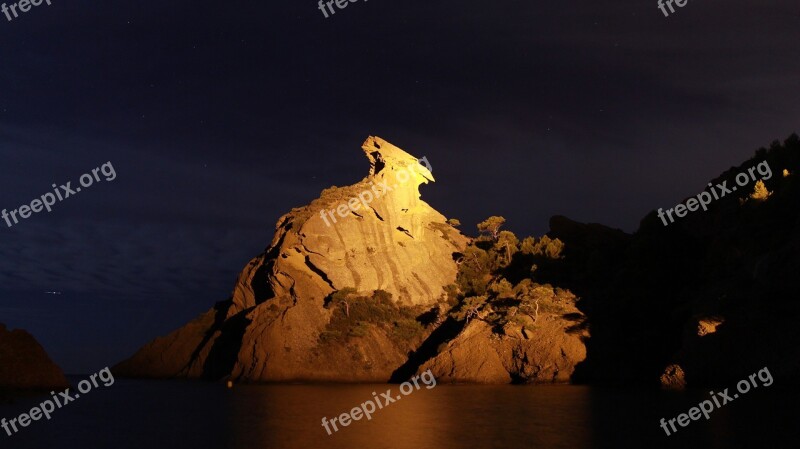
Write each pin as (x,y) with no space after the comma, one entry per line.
(470,307)
(454,222)
(382,297)
(491,226)
(342,298)
(508,242)
(545,247)
(475,267)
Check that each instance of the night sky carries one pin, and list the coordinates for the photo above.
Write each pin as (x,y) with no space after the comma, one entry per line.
(218,117)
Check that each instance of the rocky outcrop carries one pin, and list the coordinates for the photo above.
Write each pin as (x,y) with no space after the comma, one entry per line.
(525,350)
(673,378)
(351,289)
(24,364)
(375,235)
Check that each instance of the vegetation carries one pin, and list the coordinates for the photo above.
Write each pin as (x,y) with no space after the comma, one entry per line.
(470,307)
(355,315)
(496,280)
(491,226)
(496,283)
(545,247)
(760,193)
(330,198)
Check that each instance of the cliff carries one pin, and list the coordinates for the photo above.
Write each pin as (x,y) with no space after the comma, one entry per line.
(516,347)
(373,239)
(374,290)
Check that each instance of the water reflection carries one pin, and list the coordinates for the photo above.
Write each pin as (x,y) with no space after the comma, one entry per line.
(197,415)
(442,417)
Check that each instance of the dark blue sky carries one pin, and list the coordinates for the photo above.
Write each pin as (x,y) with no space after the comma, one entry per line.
(219,117)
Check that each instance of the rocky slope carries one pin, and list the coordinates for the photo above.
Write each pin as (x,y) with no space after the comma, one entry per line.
(742,313)
(706,300)
(280,323)
(522,349)
(24,364)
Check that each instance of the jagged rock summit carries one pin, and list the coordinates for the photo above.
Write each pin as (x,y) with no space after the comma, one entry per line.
(375,235)
(384,241)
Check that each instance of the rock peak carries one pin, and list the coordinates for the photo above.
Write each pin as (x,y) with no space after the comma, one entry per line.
(383,155)
(375,238)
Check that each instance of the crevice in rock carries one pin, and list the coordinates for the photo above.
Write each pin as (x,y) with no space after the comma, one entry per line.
(428,349)
(262,290)
(377,214)
(319,272)
(272,252)
(405,231)
(310,251)
(221,311)
(223,354)
(379,164)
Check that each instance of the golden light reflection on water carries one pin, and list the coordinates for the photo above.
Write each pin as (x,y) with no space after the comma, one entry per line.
(198,415)
(443,417)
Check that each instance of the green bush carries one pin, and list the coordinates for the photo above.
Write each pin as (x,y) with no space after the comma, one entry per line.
(407,329)
(495,280)
(360,329)
(327,336)
(365,312)
(382,296)
(544,247)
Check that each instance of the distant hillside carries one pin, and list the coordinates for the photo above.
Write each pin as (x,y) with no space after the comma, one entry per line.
(24,365)
(713,293)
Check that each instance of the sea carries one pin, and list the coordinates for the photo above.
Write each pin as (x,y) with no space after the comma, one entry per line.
(137,414)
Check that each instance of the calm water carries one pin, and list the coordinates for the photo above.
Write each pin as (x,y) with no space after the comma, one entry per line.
(172,415)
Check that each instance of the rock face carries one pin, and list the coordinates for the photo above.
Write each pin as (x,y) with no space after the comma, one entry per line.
(546,350)
(673,378)
(374,235)
(24,365)
(389,238)
(356,293)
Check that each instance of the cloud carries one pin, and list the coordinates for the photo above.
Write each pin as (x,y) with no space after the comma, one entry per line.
(126,261)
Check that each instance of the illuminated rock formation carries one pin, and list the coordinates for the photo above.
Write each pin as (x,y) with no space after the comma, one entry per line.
(374,235)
